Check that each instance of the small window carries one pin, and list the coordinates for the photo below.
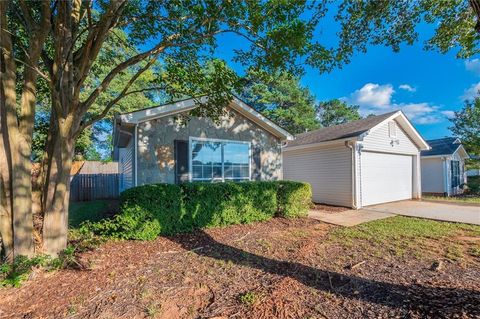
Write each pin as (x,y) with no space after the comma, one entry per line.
(392,129)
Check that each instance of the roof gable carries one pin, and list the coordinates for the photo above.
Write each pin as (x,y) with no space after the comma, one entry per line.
(357,129)
(445,146)
(190,104)
(337,132)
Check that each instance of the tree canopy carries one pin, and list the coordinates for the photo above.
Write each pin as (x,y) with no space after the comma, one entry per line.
(282,99)
(335,112)
(466,126)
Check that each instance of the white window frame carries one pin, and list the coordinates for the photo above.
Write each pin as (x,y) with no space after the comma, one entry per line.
(192,139)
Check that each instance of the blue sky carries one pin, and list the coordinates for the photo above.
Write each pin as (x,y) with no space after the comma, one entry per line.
(428,86)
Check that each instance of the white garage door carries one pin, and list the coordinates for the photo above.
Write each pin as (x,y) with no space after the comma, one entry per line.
(385,177)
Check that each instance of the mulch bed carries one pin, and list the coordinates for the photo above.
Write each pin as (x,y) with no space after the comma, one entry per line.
(329,209)
(288,268)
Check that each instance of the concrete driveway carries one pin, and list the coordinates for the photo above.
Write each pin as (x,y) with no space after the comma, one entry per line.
(431,210)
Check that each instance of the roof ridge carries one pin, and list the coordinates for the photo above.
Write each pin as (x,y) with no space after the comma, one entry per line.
(345,124)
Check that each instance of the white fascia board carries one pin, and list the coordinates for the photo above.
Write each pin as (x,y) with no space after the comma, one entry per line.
(407,126)
(187,105)
(318,145)
(159,111)
(465,154)
(437,156)
(250,113)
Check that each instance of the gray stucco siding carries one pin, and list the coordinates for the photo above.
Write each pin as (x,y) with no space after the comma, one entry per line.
(156,158)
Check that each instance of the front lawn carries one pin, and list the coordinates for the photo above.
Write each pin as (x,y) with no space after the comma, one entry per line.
(282,268)
(471,199)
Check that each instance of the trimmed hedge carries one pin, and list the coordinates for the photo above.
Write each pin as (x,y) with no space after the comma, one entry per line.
(165,209)
(294,199)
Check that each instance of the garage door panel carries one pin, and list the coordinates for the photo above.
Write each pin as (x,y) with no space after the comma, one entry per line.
(385,177)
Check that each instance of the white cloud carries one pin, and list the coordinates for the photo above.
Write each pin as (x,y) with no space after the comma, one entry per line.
(407,87)
(448,114)
(377,99)
(473,66)
(471,92)
(373,95)
(421,113)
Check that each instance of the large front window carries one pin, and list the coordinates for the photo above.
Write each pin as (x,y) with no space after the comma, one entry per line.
(219,160)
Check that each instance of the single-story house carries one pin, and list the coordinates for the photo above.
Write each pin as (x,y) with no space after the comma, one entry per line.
(154,146)
(365,162)
(443,167)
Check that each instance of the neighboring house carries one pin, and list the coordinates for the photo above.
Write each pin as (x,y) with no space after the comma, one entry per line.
(443,167)
(473,172)
(153,146)
(365,162)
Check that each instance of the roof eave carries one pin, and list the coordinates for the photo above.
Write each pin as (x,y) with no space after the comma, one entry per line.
(319,144)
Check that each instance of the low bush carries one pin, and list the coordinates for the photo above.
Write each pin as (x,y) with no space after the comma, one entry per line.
(150,210)
(294,199)
(145,212)
(222,204)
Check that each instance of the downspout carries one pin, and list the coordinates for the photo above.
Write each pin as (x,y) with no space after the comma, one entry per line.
(135,152)
(354,174)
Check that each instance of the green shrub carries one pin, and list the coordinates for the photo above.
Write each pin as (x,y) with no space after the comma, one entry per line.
(150,210)
(146,211)
(222,204)
(294,199)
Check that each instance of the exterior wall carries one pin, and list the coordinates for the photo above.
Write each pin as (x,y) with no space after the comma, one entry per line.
(433,178)
(125,166)
(436,173)
(156,137)
(327,169)
(380,141)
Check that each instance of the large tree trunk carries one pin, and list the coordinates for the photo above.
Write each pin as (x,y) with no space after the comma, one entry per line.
(57,195)
(6,222)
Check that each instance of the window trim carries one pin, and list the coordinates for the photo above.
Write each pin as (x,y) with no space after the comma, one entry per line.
(192,139)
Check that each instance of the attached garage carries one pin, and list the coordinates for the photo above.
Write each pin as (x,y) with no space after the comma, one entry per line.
(366,162)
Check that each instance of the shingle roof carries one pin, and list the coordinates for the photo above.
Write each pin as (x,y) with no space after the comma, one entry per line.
(341,131)
(441,146)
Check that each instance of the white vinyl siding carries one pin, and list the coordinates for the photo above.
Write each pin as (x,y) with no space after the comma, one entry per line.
(125,162)
(380,141)
(385,177)
(433,178)
(327,169)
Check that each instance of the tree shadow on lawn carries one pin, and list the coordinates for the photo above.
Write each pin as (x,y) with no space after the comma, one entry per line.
(422,300)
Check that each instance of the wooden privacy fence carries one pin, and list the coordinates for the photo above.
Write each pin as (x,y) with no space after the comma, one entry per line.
(86,187)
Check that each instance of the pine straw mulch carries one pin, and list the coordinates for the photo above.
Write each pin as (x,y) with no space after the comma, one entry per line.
(276,269)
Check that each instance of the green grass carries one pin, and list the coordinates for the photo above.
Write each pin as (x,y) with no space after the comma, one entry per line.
(403,235)
(83,211)
(471,200)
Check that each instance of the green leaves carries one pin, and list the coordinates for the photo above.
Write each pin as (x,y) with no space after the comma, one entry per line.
(165,209)
(466,126)
(337,112)
(281,98)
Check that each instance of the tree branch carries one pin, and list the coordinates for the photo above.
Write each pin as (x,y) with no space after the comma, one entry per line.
(121,95)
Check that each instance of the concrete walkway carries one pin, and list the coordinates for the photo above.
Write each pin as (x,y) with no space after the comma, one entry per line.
(348,218)
(422,209)
(432,210)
